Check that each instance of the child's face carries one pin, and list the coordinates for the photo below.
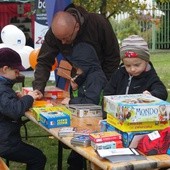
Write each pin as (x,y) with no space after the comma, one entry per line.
(10,73)
(135,66)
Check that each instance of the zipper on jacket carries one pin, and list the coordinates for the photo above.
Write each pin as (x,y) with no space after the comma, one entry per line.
(129,81)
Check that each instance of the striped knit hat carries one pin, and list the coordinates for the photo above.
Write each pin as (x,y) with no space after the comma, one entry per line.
(134,47)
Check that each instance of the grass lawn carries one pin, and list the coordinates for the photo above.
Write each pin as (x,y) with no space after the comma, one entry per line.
(48,145)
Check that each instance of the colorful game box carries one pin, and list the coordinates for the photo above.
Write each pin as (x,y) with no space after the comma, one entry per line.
(51,92)
(136,126)
(66,131)
(42,103)
(84,132)
(105,136)
(137,108)
(107,145)
(37,110)
(82,140)
(127,137)
(54,119)
(85,110)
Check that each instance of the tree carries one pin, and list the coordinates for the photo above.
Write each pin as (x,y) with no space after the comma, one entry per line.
(162,1)
(110,8)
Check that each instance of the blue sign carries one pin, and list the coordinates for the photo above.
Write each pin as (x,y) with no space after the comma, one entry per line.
(53,6)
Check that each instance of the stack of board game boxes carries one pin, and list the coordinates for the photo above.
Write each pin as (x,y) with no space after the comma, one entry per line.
(52,116)
(80,137)
(45,112)
(135,115)
(106,140)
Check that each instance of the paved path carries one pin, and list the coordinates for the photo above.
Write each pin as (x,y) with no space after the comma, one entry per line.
(31,74)
(27,73)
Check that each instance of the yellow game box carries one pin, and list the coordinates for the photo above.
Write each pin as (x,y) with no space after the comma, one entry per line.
(38,110)
(136,126)
(137,108)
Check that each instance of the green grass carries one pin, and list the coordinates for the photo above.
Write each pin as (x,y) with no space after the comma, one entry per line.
(48,145)
(161,62)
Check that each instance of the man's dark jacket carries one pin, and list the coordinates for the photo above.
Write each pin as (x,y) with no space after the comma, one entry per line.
(11,110)
(95,30)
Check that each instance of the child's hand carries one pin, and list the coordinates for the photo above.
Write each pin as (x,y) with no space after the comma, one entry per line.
(36,94)
(146,92)
(65,101)
(19,94)
(73,85)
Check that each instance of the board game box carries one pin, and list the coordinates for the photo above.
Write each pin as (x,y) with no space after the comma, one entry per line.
(85,110)
(105,136)
(54,119)
(37,110)
(85,132)
(137,108)
(82,140)
(107,145)
(136,126)
(66,131)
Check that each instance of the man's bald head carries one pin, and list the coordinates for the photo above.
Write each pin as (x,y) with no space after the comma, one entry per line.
(63,26)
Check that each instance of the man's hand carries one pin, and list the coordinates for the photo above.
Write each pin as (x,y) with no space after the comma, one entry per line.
(65,101)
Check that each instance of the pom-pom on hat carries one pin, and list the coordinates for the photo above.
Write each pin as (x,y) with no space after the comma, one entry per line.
(10,58)
(135,47)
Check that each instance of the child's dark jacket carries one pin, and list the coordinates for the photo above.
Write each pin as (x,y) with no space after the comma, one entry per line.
(93,80)
(148,80)
(11,110)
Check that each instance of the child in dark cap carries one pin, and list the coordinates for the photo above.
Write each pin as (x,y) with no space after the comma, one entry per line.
(136,74)
(12,108)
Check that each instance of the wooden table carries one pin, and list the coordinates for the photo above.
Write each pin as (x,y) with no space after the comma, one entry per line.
(152,162)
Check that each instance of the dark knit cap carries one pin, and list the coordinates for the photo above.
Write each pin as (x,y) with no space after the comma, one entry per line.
(135,47)
(11,58)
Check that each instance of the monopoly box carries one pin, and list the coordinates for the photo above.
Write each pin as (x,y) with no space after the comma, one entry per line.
(50,92)
(85,110)
(137,108)
(136,126)
(54,119)
(38,110)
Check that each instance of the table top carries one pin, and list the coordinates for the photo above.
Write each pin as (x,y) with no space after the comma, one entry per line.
(152,162)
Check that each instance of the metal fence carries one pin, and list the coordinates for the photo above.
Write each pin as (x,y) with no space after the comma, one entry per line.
(154,25)
(162,35)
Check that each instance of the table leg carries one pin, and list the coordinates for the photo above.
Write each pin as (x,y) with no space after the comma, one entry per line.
(60,155)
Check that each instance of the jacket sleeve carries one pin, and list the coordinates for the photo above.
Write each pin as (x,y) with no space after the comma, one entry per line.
(110,88)
(14,107)
(110,46)
(91,95)
(158,89)
(46,59)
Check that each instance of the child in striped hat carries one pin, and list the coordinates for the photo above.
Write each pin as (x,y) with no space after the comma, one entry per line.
(136,74)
